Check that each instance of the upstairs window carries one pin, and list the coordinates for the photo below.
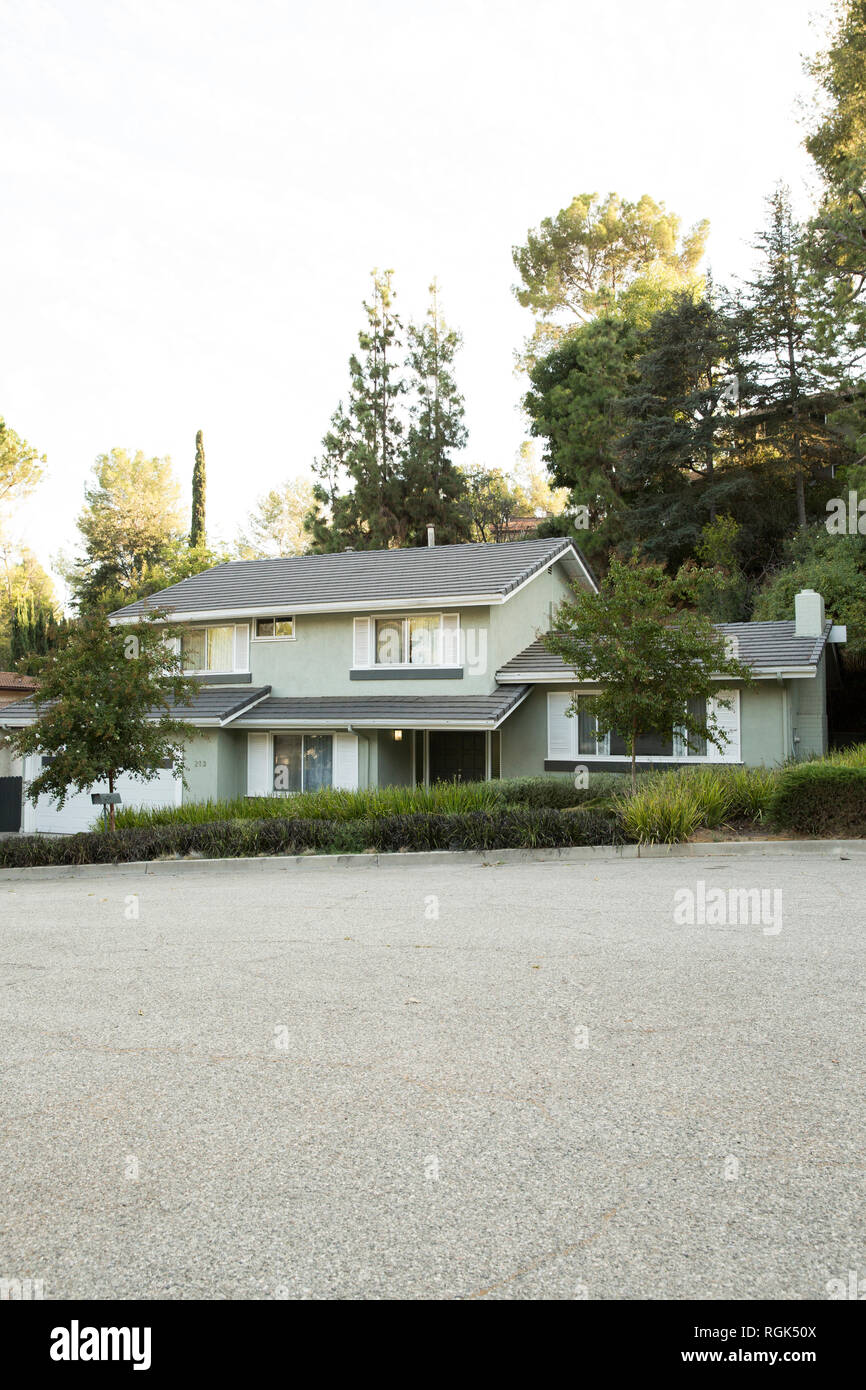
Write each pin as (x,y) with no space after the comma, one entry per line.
(219,648)
(424,639)
(275,629)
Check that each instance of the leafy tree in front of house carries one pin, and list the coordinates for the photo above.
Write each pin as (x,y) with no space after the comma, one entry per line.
(197,530)
(108,698)
(652,657)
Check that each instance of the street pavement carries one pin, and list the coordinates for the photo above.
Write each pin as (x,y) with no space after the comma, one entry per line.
(462,1081)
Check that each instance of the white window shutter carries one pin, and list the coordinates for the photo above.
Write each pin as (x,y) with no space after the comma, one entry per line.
(450,639)
(345,772)
(560,727)
(242,647)
(361,655)
(728,720)
(260,778)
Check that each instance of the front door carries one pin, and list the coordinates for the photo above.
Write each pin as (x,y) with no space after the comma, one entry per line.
(457,756)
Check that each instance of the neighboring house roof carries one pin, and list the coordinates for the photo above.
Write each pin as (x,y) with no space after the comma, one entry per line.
(212,706)
(11,680)
(479,574)
(385,711)
(766,648)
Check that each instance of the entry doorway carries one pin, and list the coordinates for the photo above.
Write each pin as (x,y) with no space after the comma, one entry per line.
(457,756)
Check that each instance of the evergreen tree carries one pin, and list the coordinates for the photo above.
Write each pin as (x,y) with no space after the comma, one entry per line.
(794,350)
(358,489)
(433,488)
(679,426)
(199,491)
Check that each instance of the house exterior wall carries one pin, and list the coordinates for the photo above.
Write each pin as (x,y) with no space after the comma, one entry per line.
(395,759)
(771,714)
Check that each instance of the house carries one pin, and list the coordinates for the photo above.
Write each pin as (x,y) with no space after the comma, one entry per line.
(393,667)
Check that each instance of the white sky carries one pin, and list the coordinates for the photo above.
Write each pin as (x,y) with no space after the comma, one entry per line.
(193,193)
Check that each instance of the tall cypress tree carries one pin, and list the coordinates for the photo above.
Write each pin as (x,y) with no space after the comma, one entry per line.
(199,489)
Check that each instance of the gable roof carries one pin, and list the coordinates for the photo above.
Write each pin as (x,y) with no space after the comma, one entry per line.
(12,680)
(765,647)
(355,579)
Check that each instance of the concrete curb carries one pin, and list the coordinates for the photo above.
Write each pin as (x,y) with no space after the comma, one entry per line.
(575,854)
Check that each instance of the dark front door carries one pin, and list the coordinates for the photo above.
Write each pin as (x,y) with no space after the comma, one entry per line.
(456,757)
(10,803)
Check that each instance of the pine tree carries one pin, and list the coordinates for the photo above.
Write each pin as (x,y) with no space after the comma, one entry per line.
(788,336)
(434,489)
(679,426)
(362,450)
(199,490)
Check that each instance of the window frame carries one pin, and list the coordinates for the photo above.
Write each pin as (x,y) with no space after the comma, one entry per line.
(276,618)
(231,670)
(680,753)
(303,735)
(405,620)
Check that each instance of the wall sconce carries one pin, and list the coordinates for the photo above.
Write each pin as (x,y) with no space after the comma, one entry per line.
(398,735)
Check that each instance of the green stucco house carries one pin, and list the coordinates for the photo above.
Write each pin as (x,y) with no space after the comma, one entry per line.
(374,668)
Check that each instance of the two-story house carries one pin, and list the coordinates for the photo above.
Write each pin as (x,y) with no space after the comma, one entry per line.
(393,667)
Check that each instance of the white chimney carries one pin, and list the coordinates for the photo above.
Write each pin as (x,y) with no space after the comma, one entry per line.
(431,535)
(808,614)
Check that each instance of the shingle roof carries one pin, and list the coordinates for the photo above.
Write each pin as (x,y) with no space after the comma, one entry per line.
(212,704)
(762,646)
(386,711)
(357,579)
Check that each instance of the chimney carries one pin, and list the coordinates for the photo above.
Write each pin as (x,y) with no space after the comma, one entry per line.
(808,614)
(431,535)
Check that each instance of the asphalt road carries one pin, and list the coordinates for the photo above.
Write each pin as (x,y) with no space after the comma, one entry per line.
(520,1082)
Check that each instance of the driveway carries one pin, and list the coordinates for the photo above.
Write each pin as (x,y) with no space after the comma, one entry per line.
(520,1081)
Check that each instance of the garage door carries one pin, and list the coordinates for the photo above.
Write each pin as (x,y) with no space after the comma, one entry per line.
(78,812)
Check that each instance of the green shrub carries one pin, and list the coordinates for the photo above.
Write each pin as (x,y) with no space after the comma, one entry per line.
(821,798)
(665,811)
(511,828)
(554,791)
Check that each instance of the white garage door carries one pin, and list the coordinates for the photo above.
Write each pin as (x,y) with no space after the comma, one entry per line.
(79,813)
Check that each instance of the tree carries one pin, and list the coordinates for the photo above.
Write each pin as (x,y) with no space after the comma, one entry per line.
(491,503)
(835,567)
(678,425)
(433,488)
(107,697)
(130,524)
(20,466)
(653,659)
(358,491)
(276,524)
(197,534)
(582,261)
(837,143)
(29,622)
(787,332)
(573,405)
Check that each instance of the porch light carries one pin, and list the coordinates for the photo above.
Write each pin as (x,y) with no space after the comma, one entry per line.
(398,735)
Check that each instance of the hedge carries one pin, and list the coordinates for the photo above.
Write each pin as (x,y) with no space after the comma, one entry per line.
(522,827)
(821,798)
